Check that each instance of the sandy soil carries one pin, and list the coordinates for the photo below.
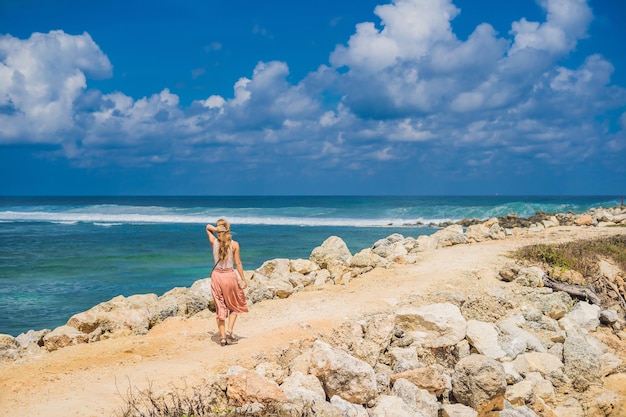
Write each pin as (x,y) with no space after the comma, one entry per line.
(90,380)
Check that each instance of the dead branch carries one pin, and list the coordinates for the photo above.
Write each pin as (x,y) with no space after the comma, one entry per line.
(578,291)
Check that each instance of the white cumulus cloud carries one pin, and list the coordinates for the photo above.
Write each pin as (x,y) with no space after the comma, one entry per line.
(567,22)
(40,78)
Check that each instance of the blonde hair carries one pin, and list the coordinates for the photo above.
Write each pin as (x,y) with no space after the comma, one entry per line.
(224,238)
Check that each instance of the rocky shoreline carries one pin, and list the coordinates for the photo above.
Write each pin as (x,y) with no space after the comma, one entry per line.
(593,217)
(521,350)
(279,278)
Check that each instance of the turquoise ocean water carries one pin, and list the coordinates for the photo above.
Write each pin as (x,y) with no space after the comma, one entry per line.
(63,255)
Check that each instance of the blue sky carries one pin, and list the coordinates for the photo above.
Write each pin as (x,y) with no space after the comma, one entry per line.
(414,97)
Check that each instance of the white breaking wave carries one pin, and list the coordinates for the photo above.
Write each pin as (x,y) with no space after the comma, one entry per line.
(110,219)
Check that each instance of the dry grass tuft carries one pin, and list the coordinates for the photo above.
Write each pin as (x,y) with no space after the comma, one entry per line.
(199,401)
(582,256)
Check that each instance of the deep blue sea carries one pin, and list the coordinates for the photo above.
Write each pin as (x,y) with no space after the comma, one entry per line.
(63,255)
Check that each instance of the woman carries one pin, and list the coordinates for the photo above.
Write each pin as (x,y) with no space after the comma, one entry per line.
(227,292)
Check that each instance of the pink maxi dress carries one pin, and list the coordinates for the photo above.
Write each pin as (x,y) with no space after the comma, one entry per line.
(229,297)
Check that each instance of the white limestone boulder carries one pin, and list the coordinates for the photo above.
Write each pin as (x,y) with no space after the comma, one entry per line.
(434,325)
(333,251)
(342,374)
(483,337)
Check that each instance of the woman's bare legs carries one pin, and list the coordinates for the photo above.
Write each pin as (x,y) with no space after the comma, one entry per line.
(232,318)
(221,326)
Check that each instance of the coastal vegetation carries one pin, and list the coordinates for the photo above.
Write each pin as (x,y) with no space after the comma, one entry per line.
(577,268)
(581,256)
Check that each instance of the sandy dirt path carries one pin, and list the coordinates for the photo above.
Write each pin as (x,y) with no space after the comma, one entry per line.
(89,380)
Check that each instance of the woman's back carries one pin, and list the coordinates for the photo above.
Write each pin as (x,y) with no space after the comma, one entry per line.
(226,263)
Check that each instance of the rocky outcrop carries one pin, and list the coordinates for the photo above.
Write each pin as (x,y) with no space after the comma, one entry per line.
(137,314)
(600,217)
(434,361)
(121,316)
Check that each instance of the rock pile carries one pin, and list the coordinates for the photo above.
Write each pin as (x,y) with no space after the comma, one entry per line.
(544,354)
